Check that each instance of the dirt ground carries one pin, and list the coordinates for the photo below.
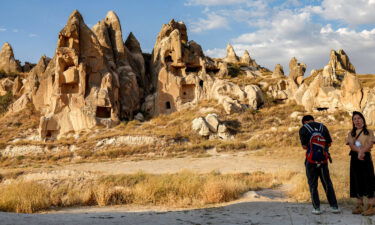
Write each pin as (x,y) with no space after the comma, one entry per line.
(256,207)
(264,207)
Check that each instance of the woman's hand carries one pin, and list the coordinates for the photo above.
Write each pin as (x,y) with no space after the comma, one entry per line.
(361,154)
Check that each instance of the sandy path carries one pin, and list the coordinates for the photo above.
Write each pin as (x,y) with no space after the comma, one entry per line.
(224,163)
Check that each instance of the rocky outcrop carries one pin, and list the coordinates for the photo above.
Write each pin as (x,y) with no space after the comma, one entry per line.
(231,55)
(211,127)
(351,93)
(248,61)
(279,91)
(235,99)
(179,69)
(296,71)
(80,88)
(278,72)
(339,62)
(369,108)
(6,86)
(8,64)
(319,95)
(128,65)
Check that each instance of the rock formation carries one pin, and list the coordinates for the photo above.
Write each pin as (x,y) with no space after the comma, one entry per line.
(6,86)
(248,61)
(83,90)
(278,72)
(231,55)
(8,63)
(351,93)
(129,65)
(211,127)
(296,71)
(178,68)
(339,62)
(319,95)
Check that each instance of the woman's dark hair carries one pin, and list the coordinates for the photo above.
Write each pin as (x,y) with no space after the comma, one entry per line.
(365,131)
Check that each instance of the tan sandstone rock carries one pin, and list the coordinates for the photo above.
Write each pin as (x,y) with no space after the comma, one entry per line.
(8,63)
(296,71)
(178,69)
(231,55)
(278,72)
(79,89)
(351,93)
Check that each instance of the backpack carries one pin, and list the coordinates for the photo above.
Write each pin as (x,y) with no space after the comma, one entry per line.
(316,149)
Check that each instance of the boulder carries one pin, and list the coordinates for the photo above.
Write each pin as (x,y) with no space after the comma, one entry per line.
(213,122)
(211,127)
(254,96)
(139,117)
(200,126)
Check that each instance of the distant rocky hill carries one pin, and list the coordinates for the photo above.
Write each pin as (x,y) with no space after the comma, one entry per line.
(96,78)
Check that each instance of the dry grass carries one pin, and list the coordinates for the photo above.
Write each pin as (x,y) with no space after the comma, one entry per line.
(23,197)
(340,179)
(185,189)
(367,80)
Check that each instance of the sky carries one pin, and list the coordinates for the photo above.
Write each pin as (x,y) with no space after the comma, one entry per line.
(273,31)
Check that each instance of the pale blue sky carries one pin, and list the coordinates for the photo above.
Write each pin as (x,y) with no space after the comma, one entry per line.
(272,31)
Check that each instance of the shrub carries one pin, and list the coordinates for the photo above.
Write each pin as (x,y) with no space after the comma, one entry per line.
(5,101)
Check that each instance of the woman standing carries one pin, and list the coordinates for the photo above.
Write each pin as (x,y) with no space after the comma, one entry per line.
(362,180)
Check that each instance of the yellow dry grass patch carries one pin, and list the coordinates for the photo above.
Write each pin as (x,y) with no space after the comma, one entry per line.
(185,189)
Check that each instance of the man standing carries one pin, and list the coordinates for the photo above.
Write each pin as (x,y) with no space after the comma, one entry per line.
(315,139)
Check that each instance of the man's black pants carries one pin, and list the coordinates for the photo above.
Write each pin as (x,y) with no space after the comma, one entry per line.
(313,172)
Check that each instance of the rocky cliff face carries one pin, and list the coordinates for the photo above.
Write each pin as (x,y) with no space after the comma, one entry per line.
(84,90)
(178,68)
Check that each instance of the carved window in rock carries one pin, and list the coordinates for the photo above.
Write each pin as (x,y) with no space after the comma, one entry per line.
(188,92)
(69,88)
(70,81)
(168,105)
(193,69)
(168,59)
(50,134)
(103,112)
(212,70)
(201,82)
